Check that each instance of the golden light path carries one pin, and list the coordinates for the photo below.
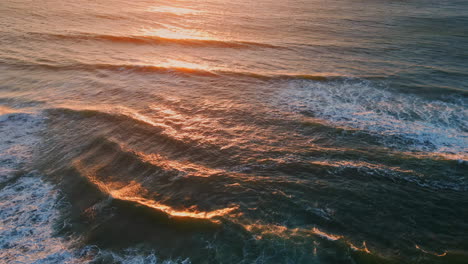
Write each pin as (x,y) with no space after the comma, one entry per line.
(179,64)
(170,32)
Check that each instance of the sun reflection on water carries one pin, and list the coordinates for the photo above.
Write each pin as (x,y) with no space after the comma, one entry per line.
(170,32)
(173,10)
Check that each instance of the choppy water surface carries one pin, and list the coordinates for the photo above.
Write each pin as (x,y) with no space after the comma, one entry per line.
(233,131)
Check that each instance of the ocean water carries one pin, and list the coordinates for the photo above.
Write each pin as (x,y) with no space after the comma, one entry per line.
(211,131)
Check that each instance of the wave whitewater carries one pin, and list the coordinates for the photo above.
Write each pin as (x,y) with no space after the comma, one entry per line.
(402,121)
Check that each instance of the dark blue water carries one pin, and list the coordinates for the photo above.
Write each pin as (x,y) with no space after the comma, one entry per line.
(234,132)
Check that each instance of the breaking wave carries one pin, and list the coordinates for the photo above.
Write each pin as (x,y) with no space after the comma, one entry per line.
(403,121)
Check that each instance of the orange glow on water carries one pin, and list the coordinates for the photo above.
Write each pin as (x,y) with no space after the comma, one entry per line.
(461,157)
(364,247)
(185,65)
(431,253)
(320,233)
(265,230)
(133,192)
(333,237)
(186,168)
(190,212)
(5,110)
(262,230)
(173,10)
(177,33)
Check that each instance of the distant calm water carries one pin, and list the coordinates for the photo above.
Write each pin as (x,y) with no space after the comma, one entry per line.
(220,131)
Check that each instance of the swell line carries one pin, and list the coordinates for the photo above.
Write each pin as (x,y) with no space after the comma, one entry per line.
(143,68)
(158,40)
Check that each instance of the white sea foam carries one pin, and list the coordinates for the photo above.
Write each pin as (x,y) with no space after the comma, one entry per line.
(27,203)
(26,223)
(401,120)
(18,136)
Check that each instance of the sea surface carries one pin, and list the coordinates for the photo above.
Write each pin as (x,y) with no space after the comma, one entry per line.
(215,131)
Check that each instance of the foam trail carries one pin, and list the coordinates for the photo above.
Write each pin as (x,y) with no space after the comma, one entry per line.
(402,121)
